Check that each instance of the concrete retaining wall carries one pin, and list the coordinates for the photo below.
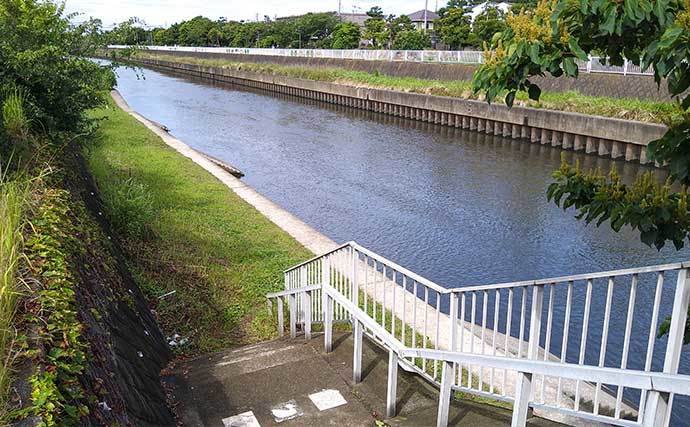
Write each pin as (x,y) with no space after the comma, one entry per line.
(594,84)
(606,137)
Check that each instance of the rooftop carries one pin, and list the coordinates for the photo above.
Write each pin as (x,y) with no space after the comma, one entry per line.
(419,16)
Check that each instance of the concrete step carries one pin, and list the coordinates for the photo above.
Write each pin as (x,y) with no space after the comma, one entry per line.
(278,378)
(270,381)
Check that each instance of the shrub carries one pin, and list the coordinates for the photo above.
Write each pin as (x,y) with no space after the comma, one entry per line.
(130,207)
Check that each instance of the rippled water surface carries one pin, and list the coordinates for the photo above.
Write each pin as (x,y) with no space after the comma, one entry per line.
(458,207)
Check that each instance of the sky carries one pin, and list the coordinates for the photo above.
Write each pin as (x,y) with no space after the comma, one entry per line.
(166,12)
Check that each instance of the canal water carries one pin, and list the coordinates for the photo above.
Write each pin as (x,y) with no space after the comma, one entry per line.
(457,207)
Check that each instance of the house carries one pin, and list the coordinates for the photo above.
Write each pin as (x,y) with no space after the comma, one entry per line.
(423,18)
(355,18)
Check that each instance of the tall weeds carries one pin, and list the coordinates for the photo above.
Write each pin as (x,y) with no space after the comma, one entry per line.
(13,195)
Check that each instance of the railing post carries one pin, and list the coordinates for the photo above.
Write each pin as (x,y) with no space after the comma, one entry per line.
(448,370)
(292,306)
(303,282)
(353,277)
(392,383)
(523,387)
(447,375)
(306,302)
(658,407)
(281,320)
(523,391)
(358,335)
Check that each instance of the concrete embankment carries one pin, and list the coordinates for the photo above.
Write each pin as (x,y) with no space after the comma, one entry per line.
(300,231)
(592,84)
(606,137)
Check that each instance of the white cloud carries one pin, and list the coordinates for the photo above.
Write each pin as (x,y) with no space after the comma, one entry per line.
(166,12)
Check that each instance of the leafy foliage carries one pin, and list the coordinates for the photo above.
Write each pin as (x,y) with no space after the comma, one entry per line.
(57,396)
(376,30)
(44,55)
(412,40)
(309,30)
(454,27)
(549,40)
(491,21)
(346,36)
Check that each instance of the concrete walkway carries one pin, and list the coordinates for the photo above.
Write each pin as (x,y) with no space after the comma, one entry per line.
(293,383)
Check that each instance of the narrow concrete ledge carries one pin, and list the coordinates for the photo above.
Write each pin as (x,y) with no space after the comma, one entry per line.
(300,231)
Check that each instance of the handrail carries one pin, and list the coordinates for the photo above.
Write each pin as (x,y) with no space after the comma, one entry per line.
(314,258)
(652,381)
(293,291)
(351,282)
(573,278)
(401,269)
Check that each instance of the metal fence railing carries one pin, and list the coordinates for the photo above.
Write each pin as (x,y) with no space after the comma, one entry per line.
(593,65)
(582,346)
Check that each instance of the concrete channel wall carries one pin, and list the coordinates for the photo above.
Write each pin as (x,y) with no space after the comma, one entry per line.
(606,137)
(593,84)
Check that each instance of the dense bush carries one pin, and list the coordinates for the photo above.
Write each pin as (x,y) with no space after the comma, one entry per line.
(130,207)
(46,57)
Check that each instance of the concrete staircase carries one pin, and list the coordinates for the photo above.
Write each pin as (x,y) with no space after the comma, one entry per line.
(294,383)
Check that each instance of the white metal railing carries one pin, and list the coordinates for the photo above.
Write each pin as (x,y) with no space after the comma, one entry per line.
(595,64)
(544,344)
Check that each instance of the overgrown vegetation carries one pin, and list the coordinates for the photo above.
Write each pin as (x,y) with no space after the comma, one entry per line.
(214,251)
(57,396)
(46,85)
(631,109)
(13,196)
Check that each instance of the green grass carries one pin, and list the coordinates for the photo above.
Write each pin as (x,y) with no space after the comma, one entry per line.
(12,203)
(622,108)
(216,252)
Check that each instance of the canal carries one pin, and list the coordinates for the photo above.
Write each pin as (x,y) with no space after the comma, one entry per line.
(457,207)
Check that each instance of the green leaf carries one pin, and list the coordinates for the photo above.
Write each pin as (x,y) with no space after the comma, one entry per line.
(670,36)
(570,66)
(510,98)
(534,53)
(576,49)
(534,92)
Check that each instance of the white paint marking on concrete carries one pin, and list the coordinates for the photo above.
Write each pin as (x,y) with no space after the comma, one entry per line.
(327,399)
(245,419)
(286,411)
(255,355)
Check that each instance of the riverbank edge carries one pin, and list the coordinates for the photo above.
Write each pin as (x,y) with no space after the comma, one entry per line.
(602,136)
(303,233)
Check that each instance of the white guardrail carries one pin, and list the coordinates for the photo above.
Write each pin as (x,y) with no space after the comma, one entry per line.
(594,65)
(581,346)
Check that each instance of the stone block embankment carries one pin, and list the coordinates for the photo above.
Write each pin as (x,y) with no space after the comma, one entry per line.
(603,136)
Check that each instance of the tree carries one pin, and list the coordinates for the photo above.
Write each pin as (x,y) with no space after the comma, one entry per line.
(44,57)
(375,12)
(195,31)
(129,32)
(412,40)
(399,24)
(491,21)
(454,27)
(346,36)
(376,31)
(650,33)
(214,36)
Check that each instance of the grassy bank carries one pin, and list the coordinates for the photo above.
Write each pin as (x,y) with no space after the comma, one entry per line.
(203,255)
(13,195)
(631,109)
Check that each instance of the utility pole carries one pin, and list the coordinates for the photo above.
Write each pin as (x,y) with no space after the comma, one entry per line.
(426,7)
(340,4)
